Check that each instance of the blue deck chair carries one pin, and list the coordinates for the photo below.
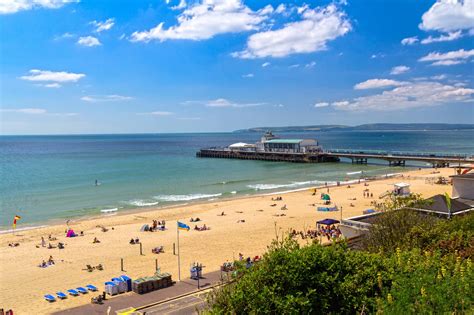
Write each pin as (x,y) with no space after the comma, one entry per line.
(81,290)
(73,292)
(61,295)
(49,298)
(90,287)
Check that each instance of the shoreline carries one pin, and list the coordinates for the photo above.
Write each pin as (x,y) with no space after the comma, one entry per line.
(137,210)
(249,225)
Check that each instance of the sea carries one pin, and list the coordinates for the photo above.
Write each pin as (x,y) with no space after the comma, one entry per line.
(66,177)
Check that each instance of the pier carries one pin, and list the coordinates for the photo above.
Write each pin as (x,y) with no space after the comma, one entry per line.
(357,157)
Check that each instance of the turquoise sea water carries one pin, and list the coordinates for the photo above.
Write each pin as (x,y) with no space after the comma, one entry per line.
(53,177)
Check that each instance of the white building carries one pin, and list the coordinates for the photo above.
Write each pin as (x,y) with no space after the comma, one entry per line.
(401,189)
(241,146)
(463,186)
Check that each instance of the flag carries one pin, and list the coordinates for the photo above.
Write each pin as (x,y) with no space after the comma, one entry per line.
(17,217)
(448,202)
(183,226)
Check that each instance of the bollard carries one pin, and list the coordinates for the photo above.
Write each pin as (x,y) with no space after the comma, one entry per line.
(141,249)
(121,264)
(174,249)
(156,264)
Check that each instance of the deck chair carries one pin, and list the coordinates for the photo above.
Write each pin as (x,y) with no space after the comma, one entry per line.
(73,292)
(49,298)
(61,295)
(90,287)
(81,290)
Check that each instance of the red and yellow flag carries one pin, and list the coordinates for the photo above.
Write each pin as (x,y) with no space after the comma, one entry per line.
(17,217)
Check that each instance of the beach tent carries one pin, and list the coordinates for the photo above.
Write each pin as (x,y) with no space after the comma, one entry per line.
(71,233)
(145,228)
(327,222)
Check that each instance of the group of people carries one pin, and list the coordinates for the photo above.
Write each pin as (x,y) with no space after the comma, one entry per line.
(368,194)
(158,225)
(48,263)
(330,232)
(134,241)
(202,228)
(277,199)
(194,220)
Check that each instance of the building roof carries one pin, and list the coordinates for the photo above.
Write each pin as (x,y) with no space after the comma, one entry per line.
(241,145)
(401,185)
(464,176)
(438,204)
(295,141)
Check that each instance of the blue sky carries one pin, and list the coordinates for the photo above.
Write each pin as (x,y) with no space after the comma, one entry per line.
(219,65)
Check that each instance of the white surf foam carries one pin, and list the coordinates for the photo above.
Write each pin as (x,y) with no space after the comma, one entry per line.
(189,197)
(291,185)
(142,203)
(109,210)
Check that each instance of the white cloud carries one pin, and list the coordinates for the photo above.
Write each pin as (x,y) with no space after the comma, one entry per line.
(64,36)
(449,15)
(281,9)
(399,70)
(439,77)
(377,84)
(105,98)
(103,26)
(410,95)
(409,40)
(52,85)
(222,102)
(248,75)
(35,111)
(205,20)
(448,62)
(161,113)
(448,59)
(296,65)
(13,6)
(442,38)
(181,5)
(51,76)
(374,56)
(310,65)
(321,104)
(265,64)
(89,41)
(312,33)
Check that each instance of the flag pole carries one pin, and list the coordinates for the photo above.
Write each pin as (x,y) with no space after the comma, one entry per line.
(179,262)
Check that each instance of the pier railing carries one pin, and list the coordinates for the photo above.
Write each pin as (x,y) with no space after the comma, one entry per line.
(400,153)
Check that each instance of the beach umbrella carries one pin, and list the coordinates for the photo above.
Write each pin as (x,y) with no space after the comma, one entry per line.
(326,197)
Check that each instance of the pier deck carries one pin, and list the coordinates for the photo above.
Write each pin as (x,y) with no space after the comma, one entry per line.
(357,157)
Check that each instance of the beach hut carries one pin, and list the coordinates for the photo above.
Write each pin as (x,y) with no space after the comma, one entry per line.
(401,189)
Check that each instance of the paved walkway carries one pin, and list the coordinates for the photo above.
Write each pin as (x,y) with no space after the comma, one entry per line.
(131,299)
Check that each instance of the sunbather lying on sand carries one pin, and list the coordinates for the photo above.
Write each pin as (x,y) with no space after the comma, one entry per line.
(203,228)
(96,240)
(13,244)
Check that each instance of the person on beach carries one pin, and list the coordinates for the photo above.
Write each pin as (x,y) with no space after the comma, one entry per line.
(95,240)
(43,242)
(50,260)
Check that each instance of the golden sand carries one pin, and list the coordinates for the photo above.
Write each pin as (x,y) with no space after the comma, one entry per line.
(23,283)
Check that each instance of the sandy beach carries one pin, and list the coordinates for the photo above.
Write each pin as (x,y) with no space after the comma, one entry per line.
(23,283)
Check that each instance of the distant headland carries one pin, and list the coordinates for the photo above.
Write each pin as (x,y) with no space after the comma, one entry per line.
(364,127)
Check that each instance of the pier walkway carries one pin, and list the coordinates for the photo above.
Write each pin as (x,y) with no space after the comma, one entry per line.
(357,157)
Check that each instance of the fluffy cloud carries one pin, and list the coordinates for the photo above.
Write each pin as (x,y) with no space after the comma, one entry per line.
(442,38)
(205,20)
(449,15)
(399,70)
(410,95)
(103,26)
(316,27)
(35,111)
(89,41)
(409,40)
(105,98)
(51,78)
(13,6)
(377,84)
(321,104)
(448,59)
(222,102)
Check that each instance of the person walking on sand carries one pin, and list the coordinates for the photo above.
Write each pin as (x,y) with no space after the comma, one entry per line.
(43,242)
